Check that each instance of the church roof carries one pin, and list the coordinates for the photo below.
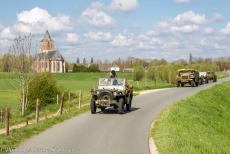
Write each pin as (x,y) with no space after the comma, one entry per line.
(46,37)
(51,55)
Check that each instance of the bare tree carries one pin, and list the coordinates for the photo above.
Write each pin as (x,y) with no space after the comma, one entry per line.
(21,63)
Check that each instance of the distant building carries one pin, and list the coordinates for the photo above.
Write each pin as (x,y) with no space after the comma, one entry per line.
(115,68)
(128,70)
(48,59)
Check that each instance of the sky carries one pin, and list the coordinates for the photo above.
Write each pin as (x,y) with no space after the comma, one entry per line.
(109,29)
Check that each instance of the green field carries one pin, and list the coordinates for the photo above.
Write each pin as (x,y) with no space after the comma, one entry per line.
(74,82)
(199,124)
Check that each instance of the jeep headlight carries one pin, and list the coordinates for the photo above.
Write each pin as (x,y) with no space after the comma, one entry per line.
(115,93)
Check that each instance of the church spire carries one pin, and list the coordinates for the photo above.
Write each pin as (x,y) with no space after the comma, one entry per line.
(46,37)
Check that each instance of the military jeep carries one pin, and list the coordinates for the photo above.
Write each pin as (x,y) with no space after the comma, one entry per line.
(112,92)
(211,76)
(187,76)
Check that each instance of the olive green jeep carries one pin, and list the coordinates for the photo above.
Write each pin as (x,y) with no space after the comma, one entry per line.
(112,92)
(187,76)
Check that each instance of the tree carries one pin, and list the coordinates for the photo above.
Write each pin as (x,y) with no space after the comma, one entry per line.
(93,68)
(151,74)
(84,61)
(42,86)
(190,58)
(78,60)
(138,73)
(91,60)
(21,63)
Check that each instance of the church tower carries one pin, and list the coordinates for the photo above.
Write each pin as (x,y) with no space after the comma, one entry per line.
(47,44)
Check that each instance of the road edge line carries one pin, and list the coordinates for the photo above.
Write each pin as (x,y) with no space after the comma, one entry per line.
(152,145)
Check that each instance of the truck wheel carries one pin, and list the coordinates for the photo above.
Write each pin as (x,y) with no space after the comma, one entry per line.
(121,104)
(214,80)
(182,84)
(177,84)
(197,84)
(207,81)
(93,107)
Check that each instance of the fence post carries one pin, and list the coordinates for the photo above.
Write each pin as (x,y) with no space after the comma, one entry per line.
(7,121)
(1,116)
(80,99)
(57,99)
(62,103)
(37,109)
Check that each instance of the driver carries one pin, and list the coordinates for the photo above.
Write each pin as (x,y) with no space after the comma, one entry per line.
(112,74)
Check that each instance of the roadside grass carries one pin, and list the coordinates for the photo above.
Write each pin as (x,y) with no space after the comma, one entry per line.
(198,124)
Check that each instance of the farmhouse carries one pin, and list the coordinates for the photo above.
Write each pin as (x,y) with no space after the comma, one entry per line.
(49,59)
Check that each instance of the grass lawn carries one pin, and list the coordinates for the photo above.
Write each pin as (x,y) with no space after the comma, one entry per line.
(199,124)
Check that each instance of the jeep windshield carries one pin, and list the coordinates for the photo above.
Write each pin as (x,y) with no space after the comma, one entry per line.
(111,82)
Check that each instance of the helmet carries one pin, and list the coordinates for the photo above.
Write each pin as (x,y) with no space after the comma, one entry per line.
(112,74)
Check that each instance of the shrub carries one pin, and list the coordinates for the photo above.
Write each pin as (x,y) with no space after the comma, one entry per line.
(138,73)
(151,74)
(42,86)
(93,68)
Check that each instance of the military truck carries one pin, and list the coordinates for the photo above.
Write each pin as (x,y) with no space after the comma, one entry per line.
(112,92)
(187,76)
(211,76)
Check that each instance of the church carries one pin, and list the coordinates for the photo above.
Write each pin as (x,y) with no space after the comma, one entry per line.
(49,59)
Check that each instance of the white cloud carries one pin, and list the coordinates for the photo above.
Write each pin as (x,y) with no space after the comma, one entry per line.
(122,40)
(190,17)
(182,1)
(7,33)
(186,22)
(217,17)
(72,37)
(226,29)
(99,36)
(124,5)
(97,17)
(37,20)
(208,30)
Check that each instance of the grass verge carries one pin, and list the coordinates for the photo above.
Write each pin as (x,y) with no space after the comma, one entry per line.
(198,124)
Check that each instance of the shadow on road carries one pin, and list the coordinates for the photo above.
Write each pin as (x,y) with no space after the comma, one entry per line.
(114,111)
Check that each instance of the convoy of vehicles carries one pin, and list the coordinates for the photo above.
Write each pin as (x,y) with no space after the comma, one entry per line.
(194,78)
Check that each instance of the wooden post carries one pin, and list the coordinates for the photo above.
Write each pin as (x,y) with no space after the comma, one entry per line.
(7,121)
(57,99)
(69,97)
(37,109)
(80,99)
(62,103)
(69,101)
(1,116)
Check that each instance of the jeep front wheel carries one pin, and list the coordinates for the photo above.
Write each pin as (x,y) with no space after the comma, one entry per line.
(93,107)
(121,106)
(129,103)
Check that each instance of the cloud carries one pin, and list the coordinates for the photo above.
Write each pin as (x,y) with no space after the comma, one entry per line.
(72,37)
(190,17)
(98,36)
(124,5)
(182,1)
(226,29)
(37,20)
(217,17)
(122,41)
(97,18)
(186,22)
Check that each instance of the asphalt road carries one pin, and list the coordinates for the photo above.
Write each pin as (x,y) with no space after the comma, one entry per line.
(108,133)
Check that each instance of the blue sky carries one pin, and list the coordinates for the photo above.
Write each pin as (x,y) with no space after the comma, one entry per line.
(108,29)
